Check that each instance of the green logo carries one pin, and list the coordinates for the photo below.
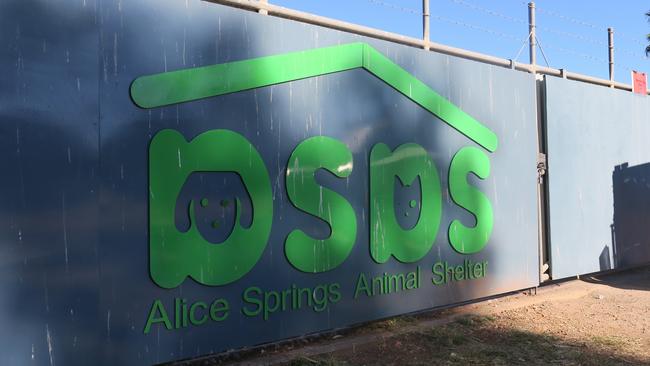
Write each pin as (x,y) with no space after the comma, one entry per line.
(303,252)
(407,163)
(174,255)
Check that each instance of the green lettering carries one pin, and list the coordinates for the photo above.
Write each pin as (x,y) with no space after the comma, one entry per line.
(321,298)
(219,306)
(412,279)
(478,271)
(463,239)
(304,291)
(335,293)
(469,268)
(252,300)
(377,285)
(459,273)
(303,252)
(396,282)
(193,319)
(438,270)
(174,255)
(295,297)
(177,313)
(449,272)
(387,237)
(268,309)
(362,285)
(157,308)
(184,312)
(285,293)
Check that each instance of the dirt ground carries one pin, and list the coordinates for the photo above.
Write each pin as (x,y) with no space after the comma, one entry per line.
(602,320)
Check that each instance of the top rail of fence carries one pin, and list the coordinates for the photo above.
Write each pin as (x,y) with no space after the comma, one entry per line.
(274,10)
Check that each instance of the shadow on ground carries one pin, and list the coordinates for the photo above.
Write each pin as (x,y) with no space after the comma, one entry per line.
(633,279)
(479,340)
(570,325)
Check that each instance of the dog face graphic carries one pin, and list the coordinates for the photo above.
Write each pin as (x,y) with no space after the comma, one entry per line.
(215,245)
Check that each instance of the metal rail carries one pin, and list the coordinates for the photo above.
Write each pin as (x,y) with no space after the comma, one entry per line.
(281,12)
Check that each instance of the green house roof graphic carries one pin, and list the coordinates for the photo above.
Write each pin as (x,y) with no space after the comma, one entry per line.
(186,85)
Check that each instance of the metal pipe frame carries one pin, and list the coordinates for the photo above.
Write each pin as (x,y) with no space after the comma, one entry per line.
(610,45)
(425,24)
(281,12)
(532,36)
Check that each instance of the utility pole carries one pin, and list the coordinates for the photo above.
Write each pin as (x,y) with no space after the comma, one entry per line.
(425,23)
(610,42)
(531,36)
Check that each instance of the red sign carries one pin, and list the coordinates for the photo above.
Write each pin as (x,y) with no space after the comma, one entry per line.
(639,82)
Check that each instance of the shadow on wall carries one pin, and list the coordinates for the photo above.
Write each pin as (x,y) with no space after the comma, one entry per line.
(631,227)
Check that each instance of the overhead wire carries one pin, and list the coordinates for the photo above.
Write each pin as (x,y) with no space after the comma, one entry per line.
(500,15)
(477,27)
(580,37)
(447,20)
(573,35)
(550,30)
(586,24)
(585,56)
(568,19)
(489,11)
(396,7)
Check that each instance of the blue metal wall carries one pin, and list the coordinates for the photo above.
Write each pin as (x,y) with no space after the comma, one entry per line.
(595,137)
(75,282)
(50,182)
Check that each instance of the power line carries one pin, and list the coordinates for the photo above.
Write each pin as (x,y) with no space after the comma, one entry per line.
(569,19)
(447,20)
(587,24)
(579,54)
(522,21)
(396,7)
(546,29)
(497,14)
(476,27)
(586,56)
(630,53)
(489,11)
(591,40)
(604,44)
(574,35)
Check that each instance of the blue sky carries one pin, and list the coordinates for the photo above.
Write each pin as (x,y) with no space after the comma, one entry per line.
(573,34)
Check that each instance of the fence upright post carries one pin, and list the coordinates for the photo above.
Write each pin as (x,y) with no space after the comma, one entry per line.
(610,43)
(532,37)
(425,23)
